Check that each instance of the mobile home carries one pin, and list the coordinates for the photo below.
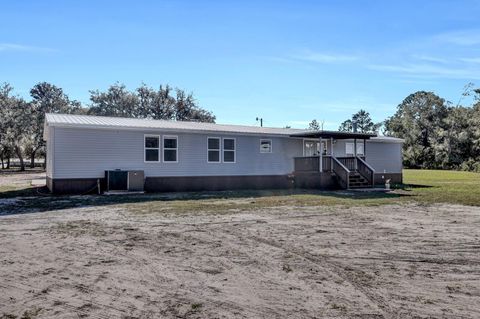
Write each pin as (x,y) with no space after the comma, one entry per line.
(86,153)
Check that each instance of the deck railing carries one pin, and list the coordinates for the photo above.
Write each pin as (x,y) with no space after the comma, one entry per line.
(341,166)
(366,171)
(349,162)
(312,163)
(342,172)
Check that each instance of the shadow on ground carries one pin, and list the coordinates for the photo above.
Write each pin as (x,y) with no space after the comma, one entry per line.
(37,199)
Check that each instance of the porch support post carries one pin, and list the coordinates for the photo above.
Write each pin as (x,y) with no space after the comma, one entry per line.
(321,156)
(365,148)
(355,153)
(331,154)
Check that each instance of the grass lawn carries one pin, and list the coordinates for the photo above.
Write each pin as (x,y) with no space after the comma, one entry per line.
(423,186)
(436,186)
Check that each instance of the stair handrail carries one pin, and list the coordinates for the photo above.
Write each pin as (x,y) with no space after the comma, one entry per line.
(347,171)
(372,170)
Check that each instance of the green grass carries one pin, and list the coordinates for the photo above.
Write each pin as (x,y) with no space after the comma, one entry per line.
(435,186)
(423,186)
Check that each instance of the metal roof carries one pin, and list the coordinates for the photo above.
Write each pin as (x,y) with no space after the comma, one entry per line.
(334,134)
(69,120)
(105,122)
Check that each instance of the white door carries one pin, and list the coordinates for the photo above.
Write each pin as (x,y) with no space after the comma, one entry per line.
(312,147)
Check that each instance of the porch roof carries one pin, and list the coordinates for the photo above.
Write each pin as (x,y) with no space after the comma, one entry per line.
(334,134)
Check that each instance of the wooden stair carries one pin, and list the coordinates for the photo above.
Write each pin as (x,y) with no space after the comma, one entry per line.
(358,181)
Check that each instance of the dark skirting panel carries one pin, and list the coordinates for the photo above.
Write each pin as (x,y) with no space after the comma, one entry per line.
(74,185)
(217,183)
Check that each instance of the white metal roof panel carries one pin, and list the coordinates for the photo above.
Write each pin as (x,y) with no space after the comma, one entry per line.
(89,121)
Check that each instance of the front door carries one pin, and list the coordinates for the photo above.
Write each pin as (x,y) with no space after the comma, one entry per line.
(312,147)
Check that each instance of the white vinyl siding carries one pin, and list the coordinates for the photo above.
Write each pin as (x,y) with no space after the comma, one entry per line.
(88,152)
(170,149)
(151,148)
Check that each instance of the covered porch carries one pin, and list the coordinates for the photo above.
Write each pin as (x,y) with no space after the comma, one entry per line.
(349,168)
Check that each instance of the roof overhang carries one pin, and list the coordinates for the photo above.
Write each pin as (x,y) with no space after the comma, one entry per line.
(334,134)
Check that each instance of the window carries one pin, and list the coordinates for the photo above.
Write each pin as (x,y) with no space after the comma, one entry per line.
(152,148)
(170,149)
(213,149)
(312,147)
(360,149)
(265,146)
(349,149)
(229,150)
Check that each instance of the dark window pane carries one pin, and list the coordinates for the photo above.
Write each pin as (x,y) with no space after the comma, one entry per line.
(170,155)
(170,143)
(151,155)
(214,156)
(229,156)
(213,144)
(229,144)
(151,141)
(266,146)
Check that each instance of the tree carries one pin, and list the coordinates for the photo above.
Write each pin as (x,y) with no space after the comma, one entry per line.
(364,123)
(46,98)
(5,120)
(146,102)
(116,101)
(420,120)
(157,105)
(314,126)
(346,126)
(16,123)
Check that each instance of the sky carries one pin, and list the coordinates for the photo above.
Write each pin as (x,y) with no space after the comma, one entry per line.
(287,62)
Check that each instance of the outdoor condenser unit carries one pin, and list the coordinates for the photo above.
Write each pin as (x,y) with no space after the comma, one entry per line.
(122,180)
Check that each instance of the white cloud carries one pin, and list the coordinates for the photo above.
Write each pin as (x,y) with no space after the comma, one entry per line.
(430,58)
(427,70)
(471,60)
(23,48)
(463,37)
(324,57)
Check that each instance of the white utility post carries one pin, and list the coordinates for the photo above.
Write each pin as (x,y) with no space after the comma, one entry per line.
(365,148)
(321,156)
(355,153)
(331,154)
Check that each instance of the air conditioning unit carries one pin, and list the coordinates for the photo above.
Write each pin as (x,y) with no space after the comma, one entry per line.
(122,180)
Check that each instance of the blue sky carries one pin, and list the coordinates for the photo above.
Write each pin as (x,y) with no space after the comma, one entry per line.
(285,61)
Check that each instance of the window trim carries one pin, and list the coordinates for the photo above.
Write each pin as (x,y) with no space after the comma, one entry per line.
(353,147)
(163,148)
(151,148)
(211,149)
(234,150)
(271,145)
(324,141)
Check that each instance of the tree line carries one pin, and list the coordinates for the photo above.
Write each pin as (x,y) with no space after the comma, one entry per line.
(22,121)
(437,133)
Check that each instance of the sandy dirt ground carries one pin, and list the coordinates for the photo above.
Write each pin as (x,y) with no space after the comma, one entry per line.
(20,179)
(406,261)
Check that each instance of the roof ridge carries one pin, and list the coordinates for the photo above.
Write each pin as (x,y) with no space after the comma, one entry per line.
(169,121)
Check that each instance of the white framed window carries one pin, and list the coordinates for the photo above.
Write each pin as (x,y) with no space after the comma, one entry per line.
(265,146)
(360,149)
(229,150)
(349,149)
(311,147)
(151,148)
(213,149)
(170,149)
